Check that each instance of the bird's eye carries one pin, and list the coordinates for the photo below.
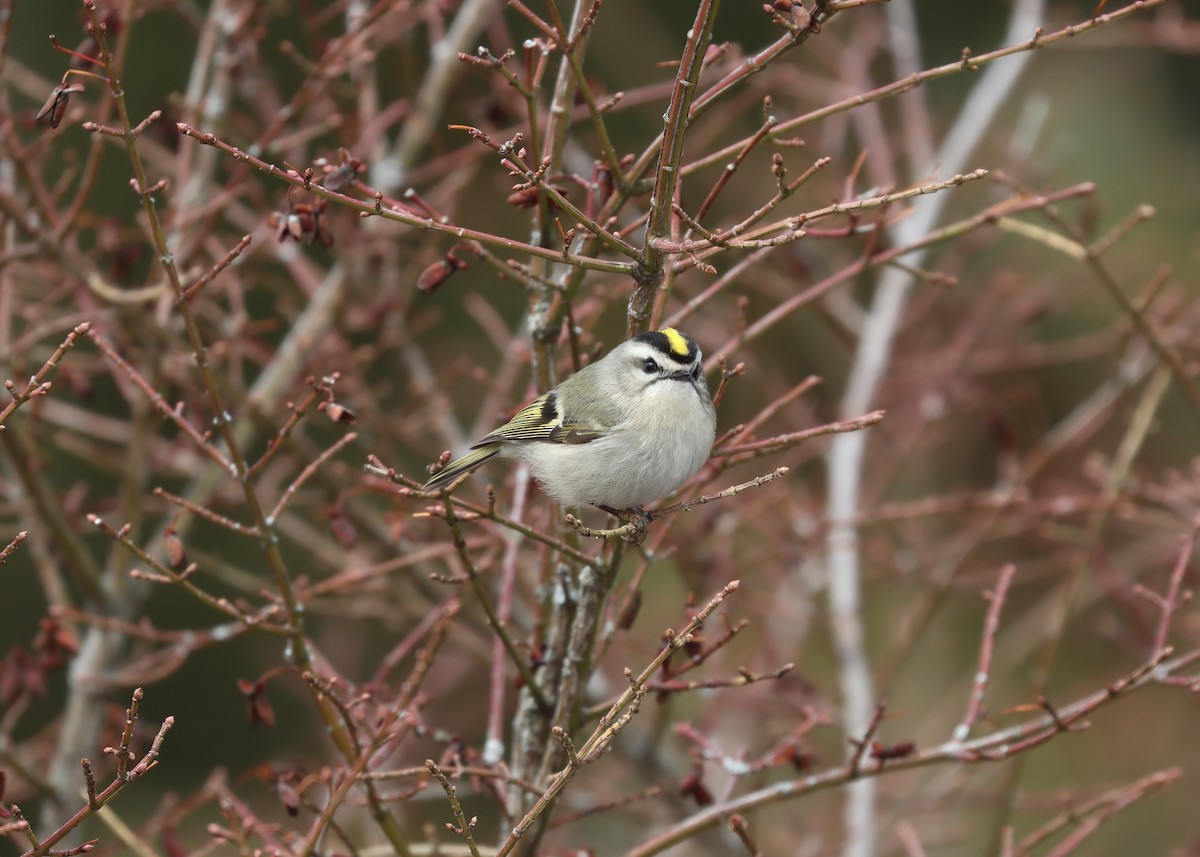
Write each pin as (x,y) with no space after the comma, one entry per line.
(649,366)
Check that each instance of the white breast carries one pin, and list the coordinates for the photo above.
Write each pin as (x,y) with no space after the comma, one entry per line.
(640,461)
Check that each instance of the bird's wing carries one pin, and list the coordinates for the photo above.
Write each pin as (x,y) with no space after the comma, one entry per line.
(542,421)
(459,466)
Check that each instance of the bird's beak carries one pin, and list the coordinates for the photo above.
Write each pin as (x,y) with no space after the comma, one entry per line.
(681,375)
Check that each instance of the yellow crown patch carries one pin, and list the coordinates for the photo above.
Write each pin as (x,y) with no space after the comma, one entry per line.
(677,341)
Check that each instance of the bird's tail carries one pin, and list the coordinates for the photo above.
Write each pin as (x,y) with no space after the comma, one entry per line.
(459,466)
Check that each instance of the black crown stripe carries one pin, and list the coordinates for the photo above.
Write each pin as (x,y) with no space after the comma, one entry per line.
(671,342)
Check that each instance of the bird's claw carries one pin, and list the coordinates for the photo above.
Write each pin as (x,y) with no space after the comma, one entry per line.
(635,524)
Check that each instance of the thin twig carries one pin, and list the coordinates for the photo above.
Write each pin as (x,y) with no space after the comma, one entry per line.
(990,627)
(307,473)
(1171,600)
(37,384)
(208,276)
(465,829)
(999,745)
(648,276)
(519,659)
(376,209)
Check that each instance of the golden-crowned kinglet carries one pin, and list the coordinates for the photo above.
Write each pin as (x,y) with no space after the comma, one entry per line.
(623,431)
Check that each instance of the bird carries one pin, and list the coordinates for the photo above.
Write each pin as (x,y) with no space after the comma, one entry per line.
(621,432)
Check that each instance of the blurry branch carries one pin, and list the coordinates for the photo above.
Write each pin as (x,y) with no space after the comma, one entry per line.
(1175,596)
(507,602)
(740,236)
(126,834)
(563,819)
(1135,436)
(206,513)
(18,444)
(419,771)
(81,567)
(1014,494)
(744,678)
(529,574)
(174,414)
(173,647)
(997,746)
(207,277)
(391,725)
(37,384)
(1072,244)
(519,660)
(376,208)
(873,353)
(16,441)
(297,411)
(612,723)
(970,62)
(1180,372)
(299,646)
(786,308)
(991,627)
(1068,592)
(307,473)
(164,574)
(1090,814)
(419,125)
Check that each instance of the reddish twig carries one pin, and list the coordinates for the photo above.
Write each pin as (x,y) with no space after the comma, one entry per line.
(990,627)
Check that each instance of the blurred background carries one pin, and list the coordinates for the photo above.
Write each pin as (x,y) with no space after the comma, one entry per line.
(1012,395)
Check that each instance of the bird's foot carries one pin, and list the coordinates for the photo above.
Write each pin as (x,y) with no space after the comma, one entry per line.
(637,522)
(634,525)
